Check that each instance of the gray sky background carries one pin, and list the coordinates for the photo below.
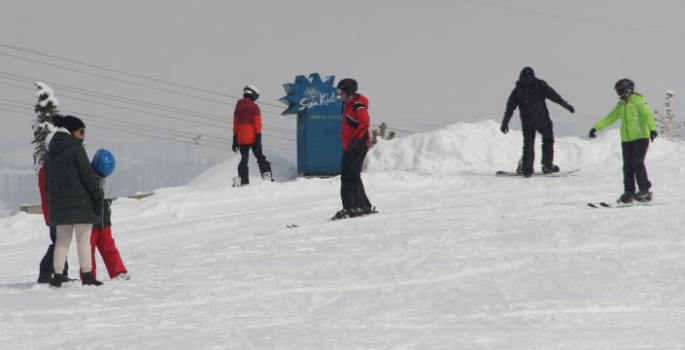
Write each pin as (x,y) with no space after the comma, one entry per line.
(423,64)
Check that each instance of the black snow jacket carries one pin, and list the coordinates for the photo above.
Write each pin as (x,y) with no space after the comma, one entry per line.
(74,195)
(529,96)
(105,220)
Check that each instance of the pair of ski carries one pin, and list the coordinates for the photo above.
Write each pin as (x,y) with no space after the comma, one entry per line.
(600,205)
(374,211)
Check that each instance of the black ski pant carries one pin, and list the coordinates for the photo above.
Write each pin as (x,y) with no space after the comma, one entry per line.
(547,132)
(634,169)
(351,188)
(46,264)
(244,170)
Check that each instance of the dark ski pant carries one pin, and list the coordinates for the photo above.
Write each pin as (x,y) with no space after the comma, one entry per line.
(243,169)
(101,238)
(46,264)
(634,169)
(547,132)
(351,188)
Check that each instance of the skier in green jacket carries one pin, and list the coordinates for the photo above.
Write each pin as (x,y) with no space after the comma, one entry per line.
(637,130)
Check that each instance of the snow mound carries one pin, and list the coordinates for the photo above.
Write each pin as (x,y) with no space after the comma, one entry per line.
(481,147)
(221,175)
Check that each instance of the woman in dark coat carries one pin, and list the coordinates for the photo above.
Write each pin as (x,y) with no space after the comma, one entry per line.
(74,196)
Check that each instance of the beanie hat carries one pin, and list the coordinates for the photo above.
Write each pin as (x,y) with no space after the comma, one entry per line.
(68,122)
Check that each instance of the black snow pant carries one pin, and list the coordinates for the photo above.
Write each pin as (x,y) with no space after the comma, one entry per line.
(46,264)
(244,170)
(351,188)
(547,132)
(634,169)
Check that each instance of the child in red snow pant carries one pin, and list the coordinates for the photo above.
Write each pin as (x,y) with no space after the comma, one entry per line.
(101,238)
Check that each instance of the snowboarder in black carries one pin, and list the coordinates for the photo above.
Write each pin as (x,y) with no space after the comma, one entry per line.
(529,96)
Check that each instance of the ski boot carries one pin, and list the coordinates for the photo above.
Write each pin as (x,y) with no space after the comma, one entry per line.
(643,196)
(236,181)
(355,212)
(519,169)
(56,281)
(626,198)
(122,276)
(341,214)
(550,169)
(89,280)
(44,279)
(370,210)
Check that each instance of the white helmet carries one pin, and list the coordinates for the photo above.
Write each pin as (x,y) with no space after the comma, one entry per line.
(252,91)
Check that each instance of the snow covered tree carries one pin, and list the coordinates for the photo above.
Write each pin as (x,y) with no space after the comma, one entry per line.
(379,134)
(666,122)
(45,108)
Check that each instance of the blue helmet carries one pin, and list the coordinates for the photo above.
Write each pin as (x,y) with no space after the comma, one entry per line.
(103,163)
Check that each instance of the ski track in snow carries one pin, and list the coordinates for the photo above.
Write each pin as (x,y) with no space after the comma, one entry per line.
(452,261)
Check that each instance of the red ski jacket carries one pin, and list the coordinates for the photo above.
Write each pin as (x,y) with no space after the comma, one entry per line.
(43,194)
(356,123)
(247,121)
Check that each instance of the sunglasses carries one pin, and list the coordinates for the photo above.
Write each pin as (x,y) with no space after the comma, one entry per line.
(81,132)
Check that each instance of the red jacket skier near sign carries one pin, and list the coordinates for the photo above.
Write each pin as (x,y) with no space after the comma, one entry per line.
(356,122)
(247,134)
(355,144)
(247,121)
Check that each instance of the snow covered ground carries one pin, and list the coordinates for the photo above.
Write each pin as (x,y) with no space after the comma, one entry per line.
(457,258)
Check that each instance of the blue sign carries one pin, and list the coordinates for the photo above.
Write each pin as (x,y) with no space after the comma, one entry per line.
(319,121)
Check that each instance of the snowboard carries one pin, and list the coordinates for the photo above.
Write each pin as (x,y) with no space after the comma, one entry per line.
(266,176)
(538,173)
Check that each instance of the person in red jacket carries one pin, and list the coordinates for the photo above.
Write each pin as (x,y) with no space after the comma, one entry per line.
(247,134)
(46,268)
(355,144)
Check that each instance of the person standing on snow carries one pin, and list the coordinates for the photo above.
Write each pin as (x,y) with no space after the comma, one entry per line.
(75,199)
(247,134)
(529,96)
(637,130)
(355,144)
(103,165)
(46,264)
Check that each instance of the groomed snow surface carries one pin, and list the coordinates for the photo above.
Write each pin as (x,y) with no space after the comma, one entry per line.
(457,258)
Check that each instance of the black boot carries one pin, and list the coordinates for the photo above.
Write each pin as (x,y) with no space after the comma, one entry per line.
(89,280)
(44,278)
(56,281)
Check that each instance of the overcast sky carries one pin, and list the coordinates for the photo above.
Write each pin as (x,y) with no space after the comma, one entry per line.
(422,64)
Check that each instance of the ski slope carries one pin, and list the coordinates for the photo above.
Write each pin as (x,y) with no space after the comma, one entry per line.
(457,258)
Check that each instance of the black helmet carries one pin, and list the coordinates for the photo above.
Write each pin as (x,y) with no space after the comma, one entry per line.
(251,91)
(348,86)
(624,86)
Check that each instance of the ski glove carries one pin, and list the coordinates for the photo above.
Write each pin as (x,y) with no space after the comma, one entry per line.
(234,146)
(504,128)
(570,108)
(653,135)
(258,139)
(592,133)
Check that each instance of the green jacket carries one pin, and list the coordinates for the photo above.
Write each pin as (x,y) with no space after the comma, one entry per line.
(636,119)
(74,195)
